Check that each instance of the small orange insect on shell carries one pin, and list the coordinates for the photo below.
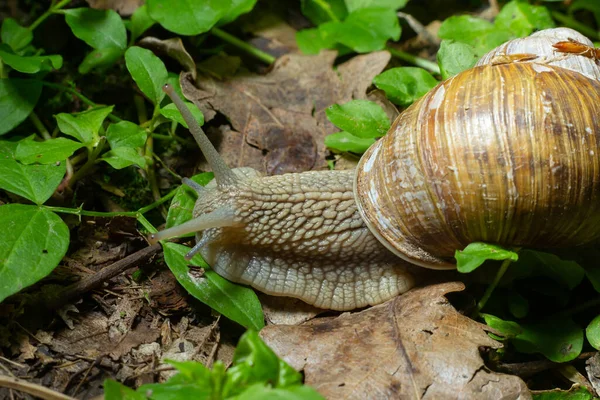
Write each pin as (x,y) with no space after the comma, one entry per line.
(574,47)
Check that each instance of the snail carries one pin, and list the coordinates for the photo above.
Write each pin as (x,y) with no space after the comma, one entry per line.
(505,152)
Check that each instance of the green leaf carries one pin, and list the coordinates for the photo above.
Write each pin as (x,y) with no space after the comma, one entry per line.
(345,141)
(508,329)
(148,71)
(454,57)
(477,32)
(354,5)
(576,392)
(266,392)
(100,29)
(84,126)
(590,5)
(361,118)
(315,10)
(311,41)
(50,151)
(237,303)
(592,332)
(183,202)
(125,134)
(236,8)
(141,21)
(194,381)
(18,97)
(99,59)
(567,273)
(34,240)
(518,305)
(365,30)
(114,390)
(188,17)
(522,18)
(123,157)
(29,64)
(34,182)
(593,274)
(171,112)
(559,339)
(477,253)
(14,35)
(405,85)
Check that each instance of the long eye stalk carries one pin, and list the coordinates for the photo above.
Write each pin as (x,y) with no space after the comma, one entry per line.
(223,174)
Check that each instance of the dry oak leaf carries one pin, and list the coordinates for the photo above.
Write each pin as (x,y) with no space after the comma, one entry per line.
(280,116)
(415,346)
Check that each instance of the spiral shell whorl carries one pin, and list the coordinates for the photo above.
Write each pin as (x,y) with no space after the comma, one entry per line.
(499,153)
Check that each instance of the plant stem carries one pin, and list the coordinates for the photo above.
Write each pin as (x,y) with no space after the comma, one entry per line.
(573,23)
(492,286)
(45,15)
(89,164)
(253,51)
(39,126)
(412,59)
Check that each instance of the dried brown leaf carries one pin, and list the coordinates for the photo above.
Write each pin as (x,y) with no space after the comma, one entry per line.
(415,346)
(172,48)
(123,7)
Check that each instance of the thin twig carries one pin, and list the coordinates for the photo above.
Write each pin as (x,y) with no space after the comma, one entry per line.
(32,388)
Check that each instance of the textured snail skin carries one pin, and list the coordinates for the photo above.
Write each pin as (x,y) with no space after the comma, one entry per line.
(504,153)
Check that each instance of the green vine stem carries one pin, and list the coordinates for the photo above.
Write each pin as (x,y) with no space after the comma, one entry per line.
(89,164)
(412,59)
(39,126)
(490,289)
(45,15)
(253,51)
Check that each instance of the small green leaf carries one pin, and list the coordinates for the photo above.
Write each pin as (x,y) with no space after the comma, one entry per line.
(148,71)
(188,17)
(477,253)
(593,274)
(405,85)
(319,11)
(18,97)
(114,390)
(592,332)
(84,126)
(171,112)
(522,18)
(361,118)
(29,64)
(14,35)
(34,240)
(576,392)
(344,141)
(123,157)
(481,34)
(237,303)
(266,392)
(100,29)
(141,21)
(182,205)
(194,381)
(50,151)
(559,339)
(34,182)
(99,59)
(354,5)
(508,329)
(125,134)
(236,8)
(518,305)
(454,57)
(312,41)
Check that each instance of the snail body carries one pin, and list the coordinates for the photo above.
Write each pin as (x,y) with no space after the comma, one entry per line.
(506,152)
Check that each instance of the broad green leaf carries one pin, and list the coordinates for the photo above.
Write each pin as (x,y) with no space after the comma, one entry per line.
(14,34)
(148,71)
(405,85)
(34,240)
(365,30)
(98,28)
(236,8)
(50,151)
(559,339)
(237,303)
(344,141)
(592,332)
(125,134)
(354,5)
(518,305)
(84,126)
(188,17)
(509,329)
(593,274)
(100,59)
(312,41)
(140,22)
(320,11)
(34,182)
(567,273)
(171,112)
(266,392)
(477,32)
(454,57)
(194,381)
(123,157)
(18,97)
(361,118)
(29,64)
(182,205)
(477,253)
(114,390)
(576,392)
(522,18)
